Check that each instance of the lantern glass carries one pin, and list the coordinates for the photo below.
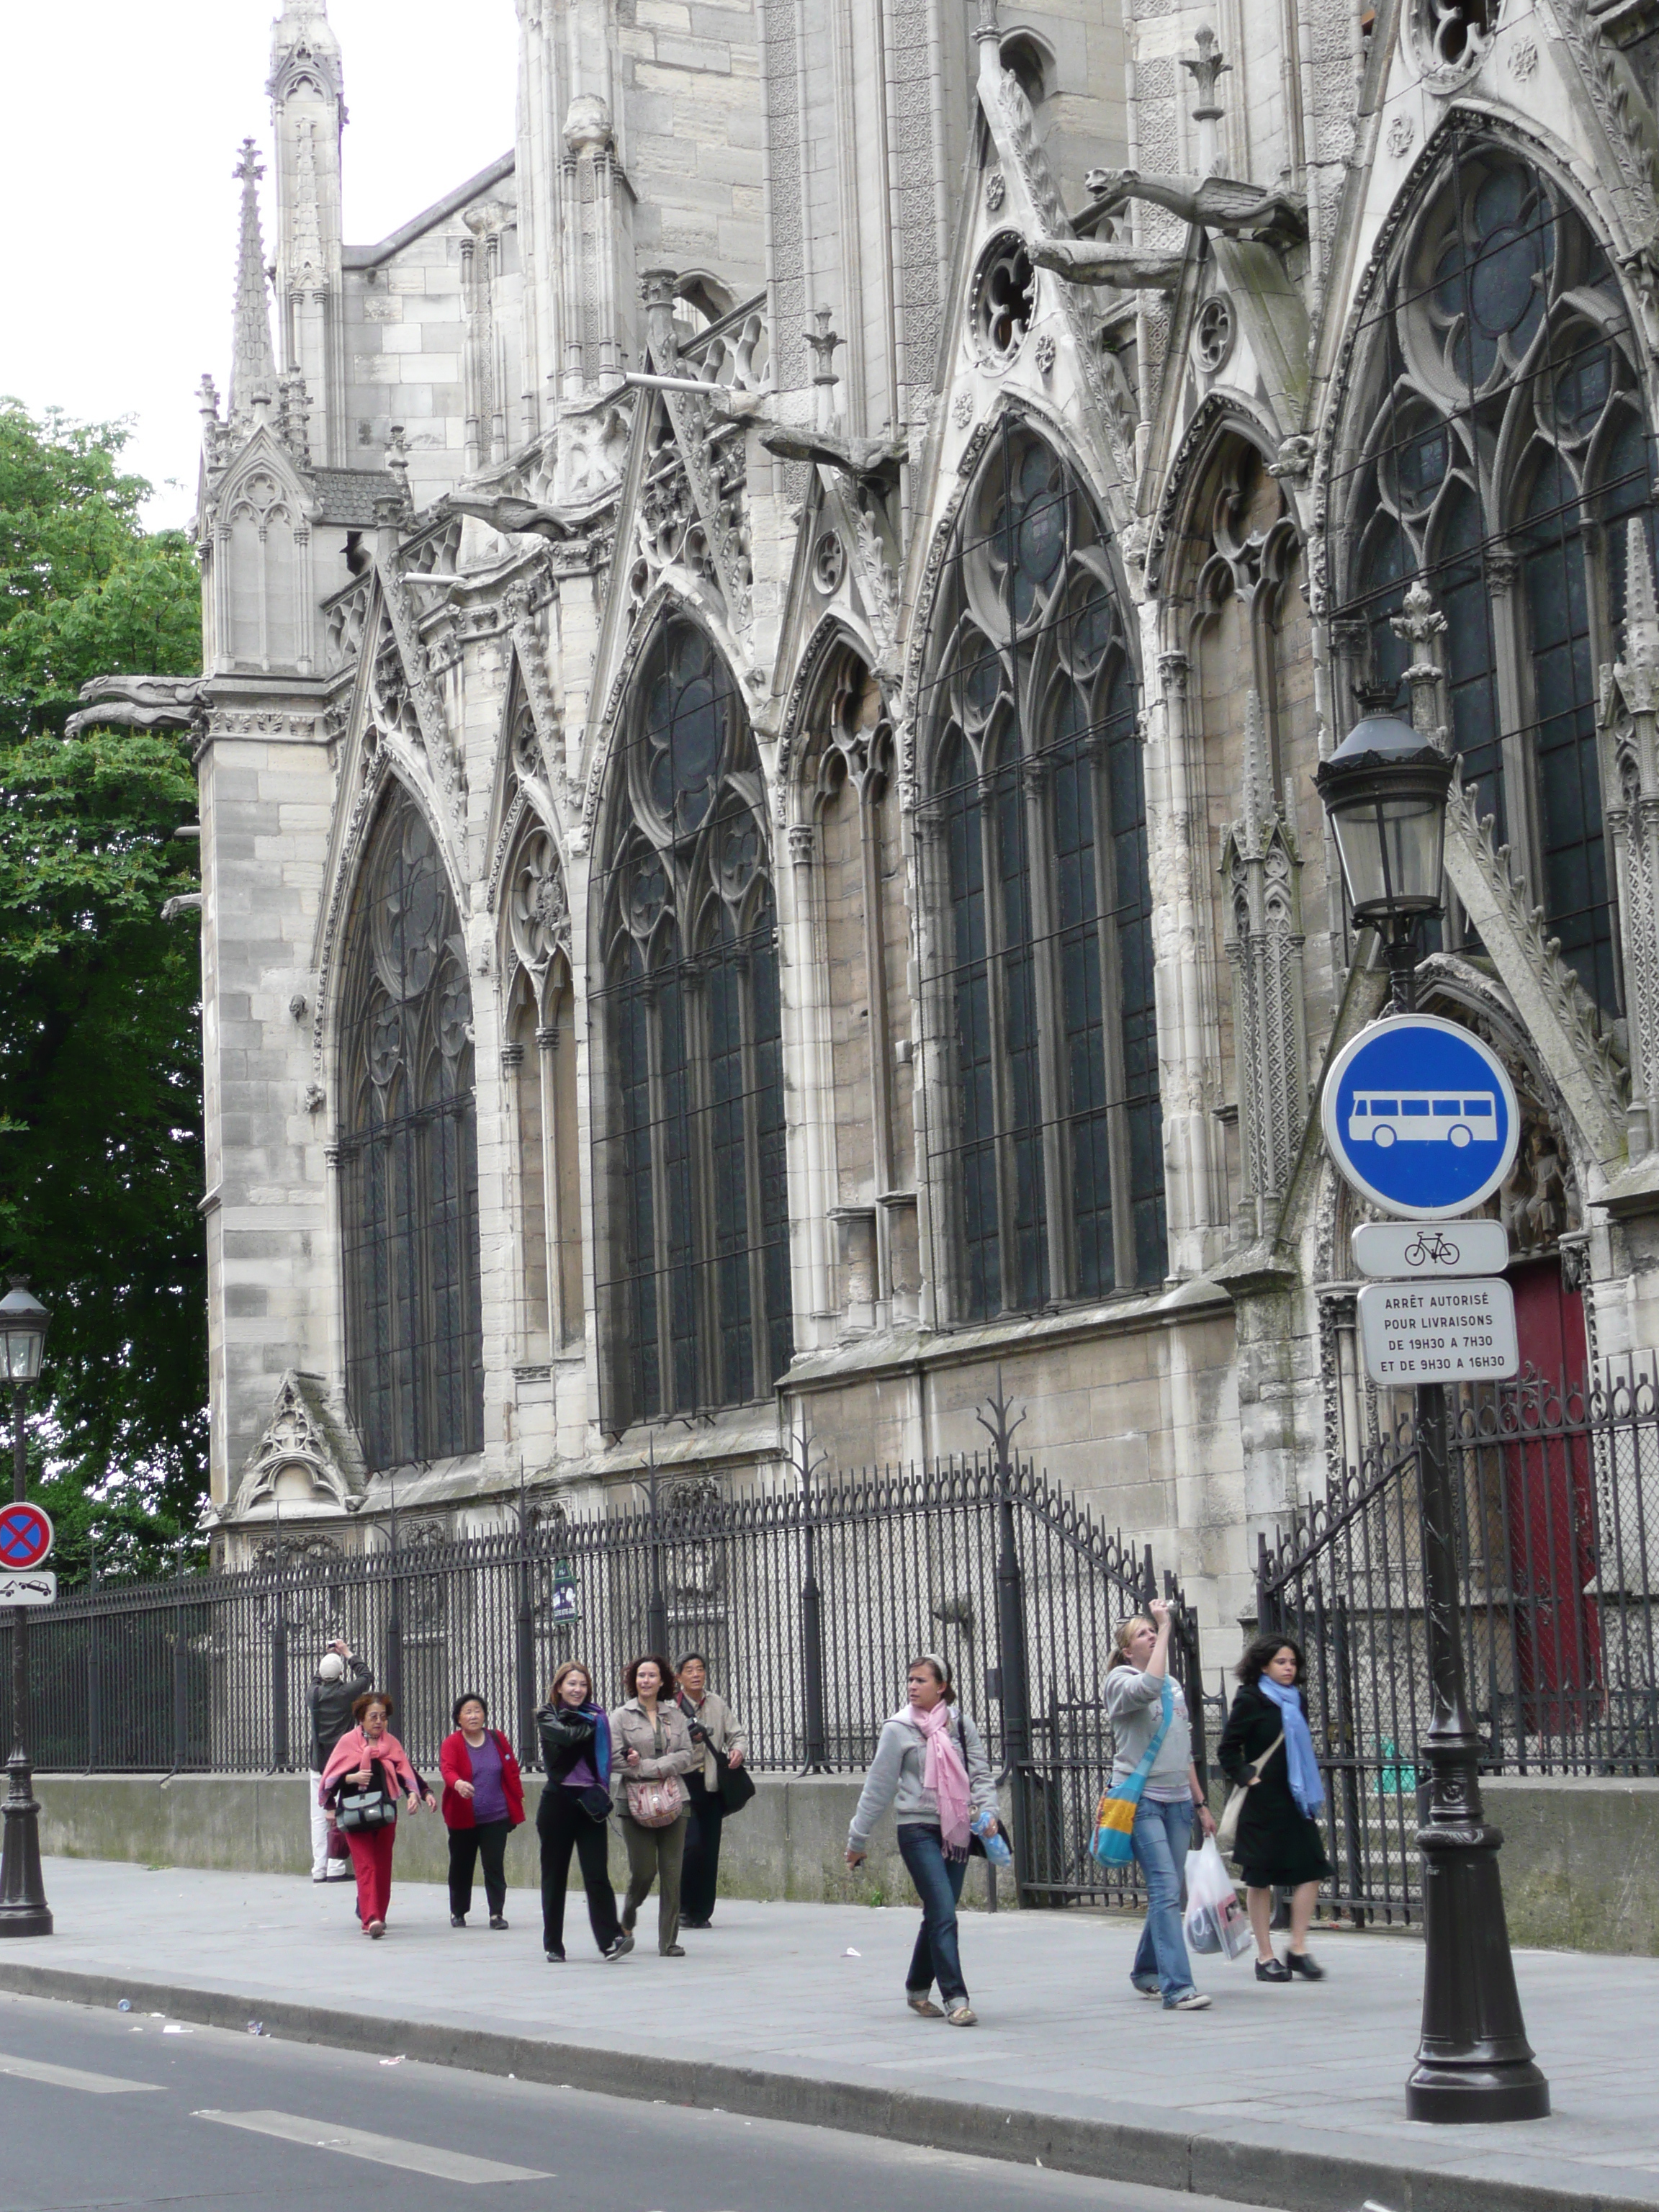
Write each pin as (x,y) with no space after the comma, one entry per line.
(1385,791)
(23,1322)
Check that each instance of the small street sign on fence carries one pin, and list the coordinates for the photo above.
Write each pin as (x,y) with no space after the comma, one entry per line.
(38,1587)
(1420,1116)
(1439,1332)
(1391,1248)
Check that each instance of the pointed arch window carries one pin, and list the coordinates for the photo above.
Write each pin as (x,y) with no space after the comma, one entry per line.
(1043,1136)
(1496,444)
(408,1155)
(689,1161)
(540,1064)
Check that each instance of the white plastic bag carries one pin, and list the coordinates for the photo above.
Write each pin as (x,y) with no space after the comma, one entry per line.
(1217,1924)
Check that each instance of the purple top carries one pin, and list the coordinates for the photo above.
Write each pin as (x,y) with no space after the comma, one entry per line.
(488,1796)
(581,1775)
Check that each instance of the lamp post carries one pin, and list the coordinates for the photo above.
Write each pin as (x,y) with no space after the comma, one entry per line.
(1385,789)
(23,1907)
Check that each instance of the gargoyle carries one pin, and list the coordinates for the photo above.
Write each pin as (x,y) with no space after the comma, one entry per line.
(872,463)
(514,517)
(139,702)
(1094,261)
(1220,203)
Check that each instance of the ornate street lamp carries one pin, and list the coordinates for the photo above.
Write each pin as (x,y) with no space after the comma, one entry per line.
(23,1907)
(1384,788)
(1385,791)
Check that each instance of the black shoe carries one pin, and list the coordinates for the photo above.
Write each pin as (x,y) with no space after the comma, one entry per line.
(1271,1970)
(458,1920)
(496,1921)
(619,1949)
(1310,1969)
(556,1958)
(696,1924)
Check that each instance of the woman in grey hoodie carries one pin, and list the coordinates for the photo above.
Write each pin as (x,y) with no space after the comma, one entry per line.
(930,1765)
(1170,1799)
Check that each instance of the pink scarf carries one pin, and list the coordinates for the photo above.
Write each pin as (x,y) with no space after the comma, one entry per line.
(945,1775)
(354,1751)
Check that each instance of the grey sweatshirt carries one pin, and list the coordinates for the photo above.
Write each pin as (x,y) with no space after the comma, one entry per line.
(1134,1705)
(896,1772)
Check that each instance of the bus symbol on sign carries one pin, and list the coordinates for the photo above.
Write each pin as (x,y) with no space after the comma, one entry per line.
(1422,1117)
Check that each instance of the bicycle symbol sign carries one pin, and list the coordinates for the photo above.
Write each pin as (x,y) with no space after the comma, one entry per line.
(26,1536)
(1420,1116)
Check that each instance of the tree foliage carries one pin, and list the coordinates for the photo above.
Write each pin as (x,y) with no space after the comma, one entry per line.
(101,1080)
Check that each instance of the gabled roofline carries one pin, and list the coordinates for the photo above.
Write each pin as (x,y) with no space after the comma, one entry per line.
(370,257)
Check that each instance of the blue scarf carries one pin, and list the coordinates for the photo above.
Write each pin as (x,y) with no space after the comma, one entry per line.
(1301,1767)
(599,1750)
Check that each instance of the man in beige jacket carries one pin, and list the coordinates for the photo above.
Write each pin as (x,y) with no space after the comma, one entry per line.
(718,1734)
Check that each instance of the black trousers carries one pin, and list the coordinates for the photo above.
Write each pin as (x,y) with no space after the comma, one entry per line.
(562,1826)
(700,1875)
(485,1840)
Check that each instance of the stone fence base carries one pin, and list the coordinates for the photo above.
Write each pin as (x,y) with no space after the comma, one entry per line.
(787,1843)
(1580,1859)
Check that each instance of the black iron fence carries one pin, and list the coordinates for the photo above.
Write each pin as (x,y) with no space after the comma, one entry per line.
(808,1600)
(1558,1502)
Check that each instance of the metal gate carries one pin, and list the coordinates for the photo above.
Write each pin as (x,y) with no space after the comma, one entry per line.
(1556,1499)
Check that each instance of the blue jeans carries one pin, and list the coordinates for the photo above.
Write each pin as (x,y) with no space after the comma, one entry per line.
(1161,1835)
(939,1885)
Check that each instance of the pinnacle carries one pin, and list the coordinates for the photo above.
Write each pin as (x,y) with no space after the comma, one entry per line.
(1641,609)
(253,362)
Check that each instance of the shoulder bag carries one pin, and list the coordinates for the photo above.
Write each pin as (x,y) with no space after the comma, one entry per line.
(1114,1818)
(657,1804)
(372,1807)
(736,1783)
(1226,1833)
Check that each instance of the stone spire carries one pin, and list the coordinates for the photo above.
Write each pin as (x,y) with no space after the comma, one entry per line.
(308,115)
(253,362)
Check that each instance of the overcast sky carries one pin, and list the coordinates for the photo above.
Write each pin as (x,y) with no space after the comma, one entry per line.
(117,208)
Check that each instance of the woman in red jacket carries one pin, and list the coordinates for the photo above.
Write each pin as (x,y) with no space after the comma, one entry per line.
(484,1803)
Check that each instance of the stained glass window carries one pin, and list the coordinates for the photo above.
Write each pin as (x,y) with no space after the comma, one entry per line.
(1498,441)
(690,1175)
(1044,1135)
(408,1155)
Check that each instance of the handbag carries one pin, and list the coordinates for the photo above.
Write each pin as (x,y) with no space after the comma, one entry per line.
(736,1785)
(338,1848)
(1115,1817)
(366,1808)
(595,1801)
(658,1803)
(1226,1833)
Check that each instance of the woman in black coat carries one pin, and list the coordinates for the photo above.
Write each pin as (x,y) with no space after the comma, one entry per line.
(1278,1845)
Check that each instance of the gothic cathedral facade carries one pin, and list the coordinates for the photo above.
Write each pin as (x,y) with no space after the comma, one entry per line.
(765,658)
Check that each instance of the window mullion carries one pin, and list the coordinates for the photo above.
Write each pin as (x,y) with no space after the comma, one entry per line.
(1037,777)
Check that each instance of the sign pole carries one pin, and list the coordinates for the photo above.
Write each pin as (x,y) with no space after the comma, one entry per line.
(1422,1119)
(23,1907)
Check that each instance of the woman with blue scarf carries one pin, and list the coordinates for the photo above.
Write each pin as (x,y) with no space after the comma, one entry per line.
(1267,1750)
(575,1811)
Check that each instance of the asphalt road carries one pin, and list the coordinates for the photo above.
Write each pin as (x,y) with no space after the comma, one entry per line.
(110,2109)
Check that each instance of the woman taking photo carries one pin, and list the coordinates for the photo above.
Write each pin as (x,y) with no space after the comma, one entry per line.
(1266,1749)
(650,1753)
(367,1770)
(484,1803)
(930,1766)
(1145,1703)
(574,1810)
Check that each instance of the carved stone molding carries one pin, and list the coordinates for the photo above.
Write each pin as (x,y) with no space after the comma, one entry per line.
(303,1436)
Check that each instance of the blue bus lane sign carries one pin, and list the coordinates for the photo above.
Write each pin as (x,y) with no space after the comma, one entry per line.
(1420,1116)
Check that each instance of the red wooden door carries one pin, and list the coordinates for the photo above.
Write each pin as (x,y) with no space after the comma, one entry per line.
(1549,1509)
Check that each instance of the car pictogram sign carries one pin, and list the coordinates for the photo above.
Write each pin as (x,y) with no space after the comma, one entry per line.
(25,1537)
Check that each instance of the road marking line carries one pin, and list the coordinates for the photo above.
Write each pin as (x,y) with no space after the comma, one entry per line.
(385,2150)
(71,2077)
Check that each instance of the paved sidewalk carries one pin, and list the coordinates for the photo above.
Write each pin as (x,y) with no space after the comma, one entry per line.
(1290,2096)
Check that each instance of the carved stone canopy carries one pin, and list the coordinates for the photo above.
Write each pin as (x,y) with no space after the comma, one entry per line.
(305,1456)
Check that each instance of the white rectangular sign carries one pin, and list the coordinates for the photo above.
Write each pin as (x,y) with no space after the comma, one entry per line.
(1439,1332)
(34,1586)
(1430,1248)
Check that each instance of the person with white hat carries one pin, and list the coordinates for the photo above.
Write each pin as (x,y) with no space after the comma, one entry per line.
(339,1679)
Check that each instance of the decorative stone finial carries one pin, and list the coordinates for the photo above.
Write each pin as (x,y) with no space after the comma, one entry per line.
(988,27)
(1205,67)
(822,342)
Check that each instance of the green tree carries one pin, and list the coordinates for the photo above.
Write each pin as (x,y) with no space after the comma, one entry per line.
(100,1082)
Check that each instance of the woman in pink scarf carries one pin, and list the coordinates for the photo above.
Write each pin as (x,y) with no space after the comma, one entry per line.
(930,1765)
(369,1758)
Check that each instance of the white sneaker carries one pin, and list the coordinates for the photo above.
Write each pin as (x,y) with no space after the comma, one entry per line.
(1194,2001)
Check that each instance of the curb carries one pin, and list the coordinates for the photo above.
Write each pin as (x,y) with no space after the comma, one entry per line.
(1249,2172)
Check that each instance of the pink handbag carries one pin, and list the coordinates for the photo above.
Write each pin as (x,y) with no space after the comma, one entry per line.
(656,1804)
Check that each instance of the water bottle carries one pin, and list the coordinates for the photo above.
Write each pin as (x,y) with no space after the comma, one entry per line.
(996,1846)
